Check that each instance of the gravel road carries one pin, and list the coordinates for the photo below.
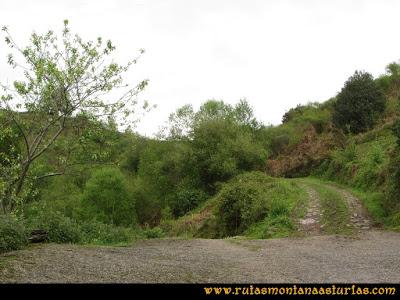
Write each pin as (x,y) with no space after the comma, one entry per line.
(369,255)
(372,256)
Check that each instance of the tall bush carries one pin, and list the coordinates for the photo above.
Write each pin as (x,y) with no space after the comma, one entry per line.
(358,104)
(108,199)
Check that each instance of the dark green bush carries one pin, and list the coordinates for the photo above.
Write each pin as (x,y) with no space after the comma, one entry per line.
(148,204)
(13,235)
(153,233)
(396,131)
(98,233)
(186,199)
(243,202)
(60,229)
(358,104)
(107,198)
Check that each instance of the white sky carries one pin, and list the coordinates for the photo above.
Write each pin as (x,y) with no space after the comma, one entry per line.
(275,53)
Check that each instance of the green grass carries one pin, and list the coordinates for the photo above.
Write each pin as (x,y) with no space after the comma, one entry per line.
(287,203)
(336,214)
(372,201)
(284,224)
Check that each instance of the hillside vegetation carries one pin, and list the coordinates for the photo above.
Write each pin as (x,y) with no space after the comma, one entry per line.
(213,172)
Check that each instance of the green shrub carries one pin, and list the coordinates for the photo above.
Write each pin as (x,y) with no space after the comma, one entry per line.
(273,227)
(394,221)
(107,198)
(242,202)
(98,233)
(257,205)
(186,199)
(396,131)
(153,233)
(358,104)
(13,235)
(60,229)
(148,205)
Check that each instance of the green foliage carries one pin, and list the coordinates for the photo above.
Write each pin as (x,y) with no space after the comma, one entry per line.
(358,104)
(279,139)
(251,198)
(390,82)
(316,114)
(223,149)
(60,229)
(13,235)
(153,233)
(186,199)
(396,131)
(277,226)
(108,199)
(65,80)
(94,232)
(336,214)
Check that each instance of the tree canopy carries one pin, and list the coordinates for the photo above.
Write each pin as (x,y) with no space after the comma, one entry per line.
(358,104)
(64,79)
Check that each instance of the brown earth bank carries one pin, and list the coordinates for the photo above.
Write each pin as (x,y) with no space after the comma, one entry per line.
(370,256)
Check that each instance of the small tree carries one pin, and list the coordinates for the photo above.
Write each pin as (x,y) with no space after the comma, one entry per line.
(64,77)
(358,104)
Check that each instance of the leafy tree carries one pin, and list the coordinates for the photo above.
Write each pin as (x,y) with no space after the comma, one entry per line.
(223,149)
(65,78)
(185,120)
(358,104)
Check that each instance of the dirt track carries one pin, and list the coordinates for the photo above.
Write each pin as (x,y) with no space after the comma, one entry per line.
(372,256)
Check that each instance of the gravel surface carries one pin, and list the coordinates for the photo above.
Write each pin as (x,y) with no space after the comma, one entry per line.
(368,256)
(372,256)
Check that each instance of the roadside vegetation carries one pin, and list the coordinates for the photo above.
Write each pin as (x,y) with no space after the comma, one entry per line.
(67,167)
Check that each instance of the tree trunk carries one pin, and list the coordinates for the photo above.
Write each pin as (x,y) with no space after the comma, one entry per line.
(21,180)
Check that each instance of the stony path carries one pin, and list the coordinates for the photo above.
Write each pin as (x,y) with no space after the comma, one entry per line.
(358,214)
(372,256)
(310,224)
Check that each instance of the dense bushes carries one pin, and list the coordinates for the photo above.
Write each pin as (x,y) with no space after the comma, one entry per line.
(107,198)
(98,233)
(251,198)
(13,235)
(62,229)
(223,150)
(186,199)
(358,104)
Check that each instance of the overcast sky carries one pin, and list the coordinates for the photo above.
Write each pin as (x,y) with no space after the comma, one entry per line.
(274,53)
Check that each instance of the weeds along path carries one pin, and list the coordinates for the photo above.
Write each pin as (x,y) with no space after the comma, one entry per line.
(332,210)
(358,214)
